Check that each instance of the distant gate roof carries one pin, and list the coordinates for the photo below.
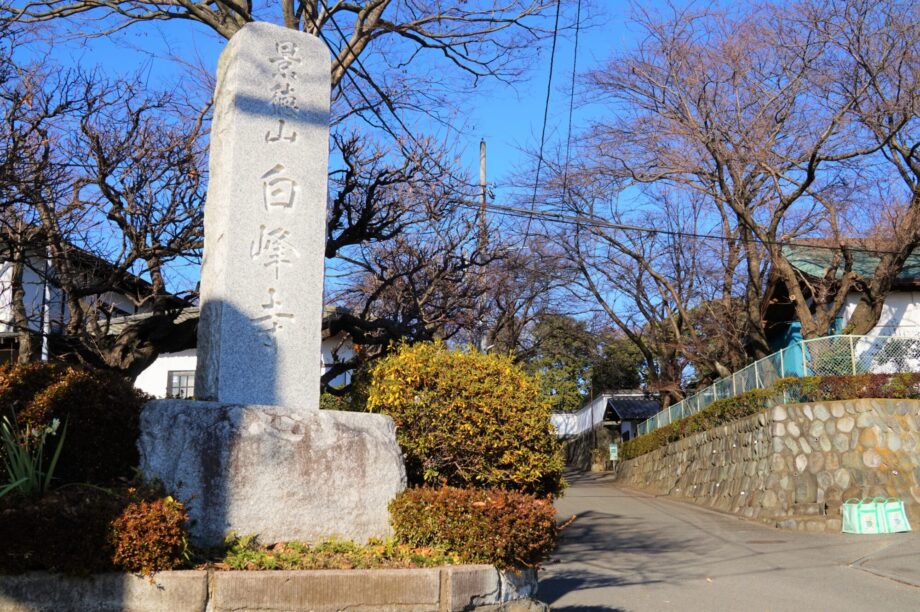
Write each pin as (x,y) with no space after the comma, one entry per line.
(816,260)
(632,408)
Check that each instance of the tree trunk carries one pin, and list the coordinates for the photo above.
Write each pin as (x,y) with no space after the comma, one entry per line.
(26,349)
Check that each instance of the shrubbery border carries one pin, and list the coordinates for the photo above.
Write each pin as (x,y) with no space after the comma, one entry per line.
(786,390)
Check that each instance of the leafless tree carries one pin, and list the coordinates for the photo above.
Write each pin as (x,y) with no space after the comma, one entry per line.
(763,113)
(379,47)
(103,186)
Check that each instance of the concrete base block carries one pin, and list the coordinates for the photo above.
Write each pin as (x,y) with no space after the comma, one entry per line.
(327,590)
(440,589)
(481,586)
(269,471)
(38,592)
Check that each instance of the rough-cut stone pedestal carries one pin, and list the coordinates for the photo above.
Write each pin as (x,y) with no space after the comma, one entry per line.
(282,474)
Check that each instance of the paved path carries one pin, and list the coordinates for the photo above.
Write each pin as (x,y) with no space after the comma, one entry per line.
(631,551)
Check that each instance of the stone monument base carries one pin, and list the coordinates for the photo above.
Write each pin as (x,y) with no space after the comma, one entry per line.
(271,471)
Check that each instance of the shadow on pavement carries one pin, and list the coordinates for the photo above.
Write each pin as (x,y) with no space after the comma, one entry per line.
(601,540)
(588,609)
(553,587)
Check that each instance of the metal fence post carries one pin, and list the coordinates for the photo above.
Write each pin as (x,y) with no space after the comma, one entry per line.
(852,356)
(782,364)
(804,358)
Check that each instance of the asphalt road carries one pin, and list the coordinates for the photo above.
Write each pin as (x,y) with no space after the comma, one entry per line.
(631,551)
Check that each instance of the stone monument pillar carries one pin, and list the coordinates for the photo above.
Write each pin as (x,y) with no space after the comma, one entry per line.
(258,457)
(265,222)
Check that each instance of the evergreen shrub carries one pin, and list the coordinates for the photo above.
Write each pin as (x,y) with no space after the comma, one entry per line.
(805,389)
(715,414)
(101,410)
(468,419)
(508,529)
(860,386)
(85,529)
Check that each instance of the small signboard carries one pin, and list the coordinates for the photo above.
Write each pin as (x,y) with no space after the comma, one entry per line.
(614,452)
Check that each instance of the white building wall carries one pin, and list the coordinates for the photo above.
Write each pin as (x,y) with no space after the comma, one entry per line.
(6,297)
(34,286)
(155,379)
(900,314)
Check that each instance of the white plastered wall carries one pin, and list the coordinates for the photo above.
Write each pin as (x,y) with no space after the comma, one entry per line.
(154,380)
(900,314)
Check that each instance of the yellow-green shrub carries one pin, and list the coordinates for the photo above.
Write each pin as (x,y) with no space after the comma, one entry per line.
(465,418)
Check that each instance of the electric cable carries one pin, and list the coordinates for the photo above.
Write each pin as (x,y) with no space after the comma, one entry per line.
(549,89)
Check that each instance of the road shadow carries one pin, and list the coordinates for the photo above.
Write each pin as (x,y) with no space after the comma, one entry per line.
(592,549)
(554,586)
(588,609)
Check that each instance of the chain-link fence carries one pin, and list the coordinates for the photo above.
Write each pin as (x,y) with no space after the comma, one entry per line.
(828,356)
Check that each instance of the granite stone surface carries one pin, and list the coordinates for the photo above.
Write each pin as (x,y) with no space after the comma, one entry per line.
(265,222)
(277,473)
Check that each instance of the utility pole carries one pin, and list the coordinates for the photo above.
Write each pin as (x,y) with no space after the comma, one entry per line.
(482,241)
(483,193)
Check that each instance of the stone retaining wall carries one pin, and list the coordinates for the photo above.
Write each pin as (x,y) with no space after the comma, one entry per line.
(793,465)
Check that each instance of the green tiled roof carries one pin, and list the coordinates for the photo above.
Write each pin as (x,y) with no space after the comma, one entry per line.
(815,261)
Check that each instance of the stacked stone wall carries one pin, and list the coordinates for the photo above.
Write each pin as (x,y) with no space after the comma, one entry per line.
(793,465)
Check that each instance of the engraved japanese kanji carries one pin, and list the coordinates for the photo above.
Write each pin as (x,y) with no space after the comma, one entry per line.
(273,249)
(273,321)
(278,190)
(281,133)
(284,96)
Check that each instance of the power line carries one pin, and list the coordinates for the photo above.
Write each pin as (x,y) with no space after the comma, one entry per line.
(578,220)
(568,136)
(549,89)
(383,98)
(593,221)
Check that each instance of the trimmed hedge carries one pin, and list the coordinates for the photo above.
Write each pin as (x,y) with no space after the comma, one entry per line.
(860,386)
(84,530)
(465,418)
(800,390)
(715,414)
(504,528)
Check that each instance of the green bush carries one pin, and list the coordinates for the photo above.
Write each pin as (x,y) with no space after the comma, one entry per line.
(715,414)
(831,388)
(64,531)
(465,418)
(504,528)
(101,410)
(803,389)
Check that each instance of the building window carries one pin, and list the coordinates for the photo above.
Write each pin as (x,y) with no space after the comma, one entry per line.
(181,384)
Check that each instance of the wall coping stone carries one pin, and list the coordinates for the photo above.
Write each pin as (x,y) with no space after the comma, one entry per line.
(441,589)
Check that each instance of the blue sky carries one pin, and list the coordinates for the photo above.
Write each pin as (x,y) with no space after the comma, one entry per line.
(510,118)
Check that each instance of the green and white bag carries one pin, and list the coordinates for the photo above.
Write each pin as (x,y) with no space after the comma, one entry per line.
(875,515)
